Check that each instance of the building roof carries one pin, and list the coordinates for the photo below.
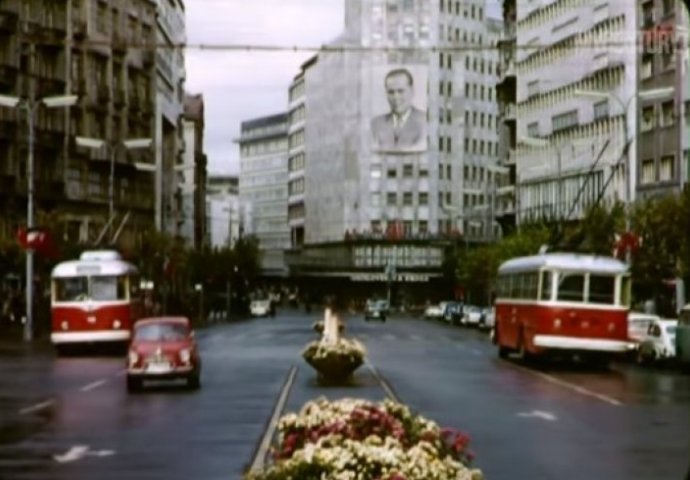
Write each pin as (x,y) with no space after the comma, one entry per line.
(565,261)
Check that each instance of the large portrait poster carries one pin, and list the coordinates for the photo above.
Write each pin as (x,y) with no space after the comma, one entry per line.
(399,123)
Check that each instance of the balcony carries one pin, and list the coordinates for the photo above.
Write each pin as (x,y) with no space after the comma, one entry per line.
(53,35)
(49,138)
(8,77)
(79,29)
(7,130)
(103,94)
(50,190)
(48,87)
(119,97)
(148,58)
(8,23)
(119,44)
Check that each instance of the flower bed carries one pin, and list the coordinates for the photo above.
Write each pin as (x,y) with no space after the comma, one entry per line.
(335,361)
(360,440)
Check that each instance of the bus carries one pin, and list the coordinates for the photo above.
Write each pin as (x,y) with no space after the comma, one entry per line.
(562,303)
(94,300)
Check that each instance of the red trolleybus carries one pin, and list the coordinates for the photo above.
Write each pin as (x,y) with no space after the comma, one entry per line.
(562,303)
(94,299)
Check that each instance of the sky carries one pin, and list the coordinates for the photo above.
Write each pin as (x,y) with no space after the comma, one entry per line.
(239,85)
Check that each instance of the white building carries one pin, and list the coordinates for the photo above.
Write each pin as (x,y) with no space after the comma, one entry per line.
(168,141)
(434,187)
(570,137)
(223,210)
(263,188)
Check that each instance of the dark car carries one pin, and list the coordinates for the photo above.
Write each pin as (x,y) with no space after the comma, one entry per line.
(376,310)
(163,348)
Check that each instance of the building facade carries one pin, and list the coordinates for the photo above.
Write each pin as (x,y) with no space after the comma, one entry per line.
(90,49)
(599,102)
(193,171)
(387,193)
(223,210)
(663,131)
(263,188)
(170,93)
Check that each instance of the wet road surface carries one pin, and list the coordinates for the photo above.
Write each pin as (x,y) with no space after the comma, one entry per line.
(71,418)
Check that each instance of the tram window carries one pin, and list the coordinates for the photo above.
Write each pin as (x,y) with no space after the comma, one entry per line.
(515,286)
(601,289)
(531,285)
(108,288)
(571,287)
(546,285)
(74,289)
(625,291)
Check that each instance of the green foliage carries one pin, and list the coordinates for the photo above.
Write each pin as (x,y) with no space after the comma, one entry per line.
(595,233)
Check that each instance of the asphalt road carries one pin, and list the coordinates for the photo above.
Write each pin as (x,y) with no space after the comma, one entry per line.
(71,418)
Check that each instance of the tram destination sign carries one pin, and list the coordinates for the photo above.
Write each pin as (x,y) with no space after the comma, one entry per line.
(383,277)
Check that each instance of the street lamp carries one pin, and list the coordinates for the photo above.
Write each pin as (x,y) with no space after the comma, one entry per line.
(113,150)
(30,107)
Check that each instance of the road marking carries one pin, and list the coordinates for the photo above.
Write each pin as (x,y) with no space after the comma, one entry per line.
(569,386)
(73,454)
(538,414)
(37,407)
(80,451)
(265,445)
(384,384)
(92,385)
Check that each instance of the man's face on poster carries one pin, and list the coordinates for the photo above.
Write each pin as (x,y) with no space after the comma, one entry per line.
(399,92)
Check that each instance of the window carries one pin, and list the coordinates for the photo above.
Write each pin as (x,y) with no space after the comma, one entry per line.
(647,68)
(602,289)
(571,287)
(667,116)
(423,198)
(533,88)
(666,168)
(648,173)
(392,198)
(564,120)
(546,285)
(648,122)
(601,109)
(533,129)
(407,198)
(423,226)
(392,173)
(407,171)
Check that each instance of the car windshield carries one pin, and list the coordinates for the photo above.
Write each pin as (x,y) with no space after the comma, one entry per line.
(161,332)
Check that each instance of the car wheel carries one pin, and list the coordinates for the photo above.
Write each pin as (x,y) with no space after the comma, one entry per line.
(133,384)
(194,381)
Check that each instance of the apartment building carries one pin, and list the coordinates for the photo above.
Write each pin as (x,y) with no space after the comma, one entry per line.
(599,101)
(263,188)
(297,156)
(90,49)
(168,132)
(662,65)
(192,217)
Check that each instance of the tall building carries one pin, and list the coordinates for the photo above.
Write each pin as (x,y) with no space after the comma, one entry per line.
(388,189)
(264,188)
(599,101)
(192,217)
(90,49)
(170,92)
(662,147)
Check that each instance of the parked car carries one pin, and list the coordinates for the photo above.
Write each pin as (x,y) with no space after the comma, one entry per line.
(471,315)
(487,320)
(435,311)
(638,325)
(683,338)
(376,310)
(453,313)
(163,348)
(659,342)
(261,308)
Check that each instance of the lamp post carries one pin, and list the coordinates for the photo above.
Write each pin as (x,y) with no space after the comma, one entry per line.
(30,107)
(112,150)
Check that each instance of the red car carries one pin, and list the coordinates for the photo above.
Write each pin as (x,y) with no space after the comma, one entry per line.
(163,348)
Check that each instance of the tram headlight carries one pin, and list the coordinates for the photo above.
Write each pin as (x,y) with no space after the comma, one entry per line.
(557,323)
(185,355)
(116,324)
(64,325)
